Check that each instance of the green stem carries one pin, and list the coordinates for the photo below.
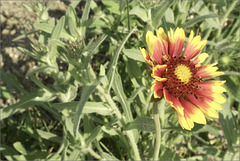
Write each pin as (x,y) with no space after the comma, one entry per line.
(119,116)
(110,101)
(149,17)
(94,154)
(133,144)
(158,131)
(231,7)
(128,16)
(209,30)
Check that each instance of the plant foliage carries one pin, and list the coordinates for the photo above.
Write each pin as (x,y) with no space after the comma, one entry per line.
(95,102)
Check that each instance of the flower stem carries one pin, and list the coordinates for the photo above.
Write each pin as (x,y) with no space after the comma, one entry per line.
(111,102)
(158,131)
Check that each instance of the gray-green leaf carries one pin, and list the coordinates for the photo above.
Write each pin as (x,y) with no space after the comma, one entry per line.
(142,123)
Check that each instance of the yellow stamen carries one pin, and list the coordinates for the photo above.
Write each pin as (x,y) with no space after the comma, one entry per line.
(183,73)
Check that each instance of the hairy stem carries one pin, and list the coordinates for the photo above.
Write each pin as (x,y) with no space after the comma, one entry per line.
(158,131)
(120,118)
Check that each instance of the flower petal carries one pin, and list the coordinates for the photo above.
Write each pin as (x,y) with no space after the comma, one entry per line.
(155,47)
(200,59)
(194,46)
(202,98)
(157,72)
(173,101)
(185,122)
(192,112)
(210,94)
(171,42)
(163,39)
(207,106)
(176,42)
(208,71)
(214,86)
(187,112)
(146,57)
(157,88)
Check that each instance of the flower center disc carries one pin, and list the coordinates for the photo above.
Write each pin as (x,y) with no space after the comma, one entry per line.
(181,77)
(183,73)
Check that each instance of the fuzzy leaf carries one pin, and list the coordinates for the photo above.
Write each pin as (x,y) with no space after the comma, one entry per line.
(49,136)
(158,12)
(140,13)
(29,100)
(19,147)
(134,54)
(142,123)
(87,91)
(69,108)
(198,19)
(228,125)
(112,68)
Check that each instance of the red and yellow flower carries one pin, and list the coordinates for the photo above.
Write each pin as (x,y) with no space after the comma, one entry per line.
(178,75)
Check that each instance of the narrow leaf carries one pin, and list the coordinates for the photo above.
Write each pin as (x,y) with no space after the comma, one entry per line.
(29,100)
(118,89)
(134,54)
(75,3)
(231,73)
(89,107)
(94,133)
(201,9)
(228,125)
(53,156)
(140,13)
(24,35)
(85,17)
(198,19)
(49,136)
(58,29)
(112,6)
(10,80)
(74,154)
(48,28)
(72,22)
(142,123)
(158,12)
(39,69)
(94,45)
(20,148)
(72,28)
(56,35)
(107,156)
(113,65)
(232,88)
(25,51)
(4,151)
(136,92)
(87,91)
(86,10)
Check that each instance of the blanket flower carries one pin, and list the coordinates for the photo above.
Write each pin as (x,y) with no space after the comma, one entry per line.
(179,76)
